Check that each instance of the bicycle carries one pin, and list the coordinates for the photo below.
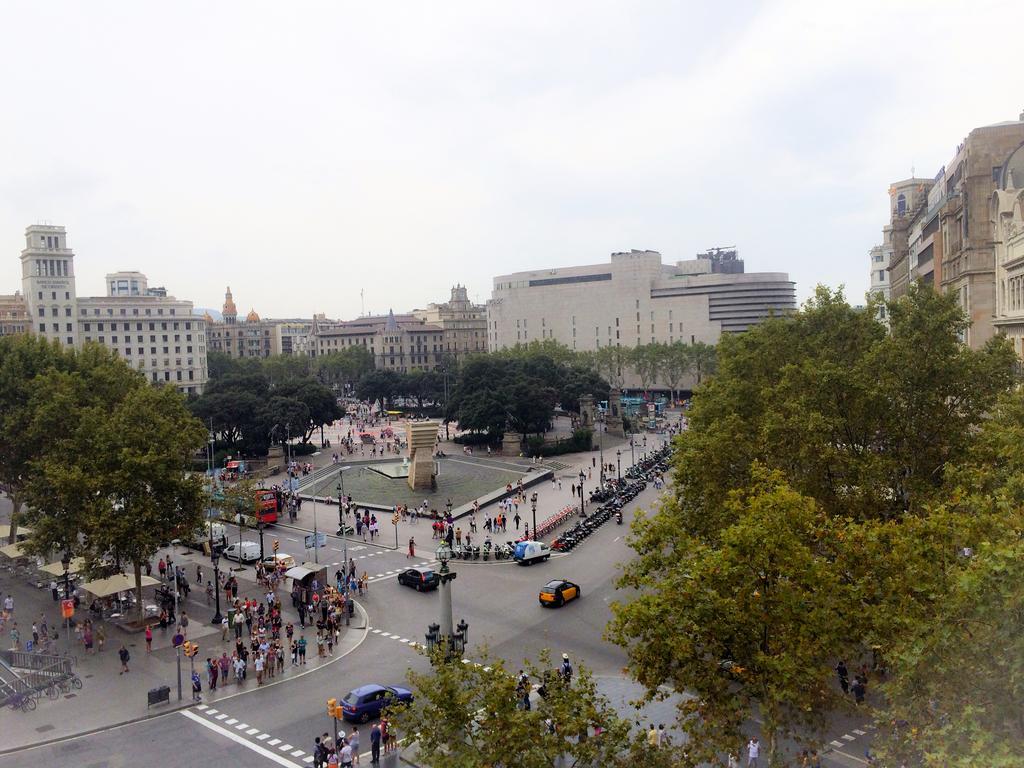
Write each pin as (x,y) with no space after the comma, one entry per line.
(24,701)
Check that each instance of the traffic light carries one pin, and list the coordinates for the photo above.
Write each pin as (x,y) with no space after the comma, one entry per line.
(332,707)
(394,519)
(277,545)
(190,648)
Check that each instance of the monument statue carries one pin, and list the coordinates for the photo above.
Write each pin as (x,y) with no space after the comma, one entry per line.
(421,437)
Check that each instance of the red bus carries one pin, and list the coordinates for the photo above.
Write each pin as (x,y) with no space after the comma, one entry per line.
(266,507)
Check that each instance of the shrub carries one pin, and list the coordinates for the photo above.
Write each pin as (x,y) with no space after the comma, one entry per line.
(581,440)
(478,438)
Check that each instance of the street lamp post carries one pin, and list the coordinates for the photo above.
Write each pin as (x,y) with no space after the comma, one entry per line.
(632,454)
(445,635)
(533,506)
(600,432)
(259,527)
(217,617)
(316,538)
(618,463)
(66,562)
(583,476)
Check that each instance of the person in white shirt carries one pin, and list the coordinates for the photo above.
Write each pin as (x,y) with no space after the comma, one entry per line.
(345,756)
(753,752)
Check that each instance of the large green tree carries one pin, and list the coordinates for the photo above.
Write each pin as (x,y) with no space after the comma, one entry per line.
(470,716)
(751,622)
(111,482)
(22,359)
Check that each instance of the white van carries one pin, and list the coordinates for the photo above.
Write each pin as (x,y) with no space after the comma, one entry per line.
(531,551)
(246,552)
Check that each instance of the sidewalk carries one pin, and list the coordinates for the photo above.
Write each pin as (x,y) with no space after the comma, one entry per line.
(109,698)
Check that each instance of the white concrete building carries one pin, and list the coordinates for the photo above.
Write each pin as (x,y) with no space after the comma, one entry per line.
(635,299)
(1008,219)
(156,334)
(881,257)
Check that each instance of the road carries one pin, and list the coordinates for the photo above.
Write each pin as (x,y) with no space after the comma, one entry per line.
(275,725)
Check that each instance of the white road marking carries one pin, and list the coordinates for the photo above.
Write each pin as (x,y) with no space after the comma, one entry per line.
(241,726)
(251,731)
(238,739)
(211,711)
(847,737)
(286,747)
(201,707)
(308,759)
(221,716)
(298,753)
(837,744)
(230,721)
(404,640)
(274,742)
(263,736)
(859,732)
(376,631)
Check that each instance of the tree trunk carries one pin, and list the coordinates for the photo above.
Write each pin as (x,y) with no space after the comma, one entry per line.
(15,515)
(137,567)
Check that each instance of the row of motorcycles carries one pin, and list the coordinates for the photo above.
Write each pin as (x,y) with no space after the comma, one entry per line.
(474,552)
(613,497)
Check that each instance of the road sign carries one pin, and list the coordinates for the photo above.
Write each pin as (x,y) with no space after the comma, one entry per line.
(67,608)
(321,540)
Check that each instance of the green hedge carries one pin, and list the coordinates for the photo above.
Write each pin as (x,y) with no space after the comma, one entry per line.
(478,438)
(581,440)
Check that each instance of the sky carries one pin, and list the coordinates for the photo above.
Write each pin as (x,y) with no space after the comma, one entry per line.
(309,153)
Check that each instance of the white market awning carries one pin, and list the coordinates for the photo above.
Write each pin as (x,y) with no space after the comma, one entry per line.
(13,551)
(5,531)
(114,584)
(57,569)
(299,572)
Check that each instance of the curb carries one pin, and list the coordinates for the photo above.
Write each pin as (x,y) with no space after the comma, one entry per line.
(177,707)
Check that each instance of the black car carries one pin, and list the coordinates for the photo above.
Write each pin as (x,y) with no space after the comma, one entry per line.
(420,578)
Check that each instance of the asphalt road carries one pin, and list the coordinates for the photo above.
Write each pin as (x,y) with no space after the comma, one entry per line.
(498,599)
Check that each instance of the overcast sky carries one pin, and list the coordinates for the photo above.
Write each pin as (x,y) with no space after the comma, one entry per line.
(301,152)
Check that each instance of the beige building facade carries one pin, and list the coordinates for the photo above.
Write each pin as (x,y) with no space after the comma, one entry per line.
(156,334)
(250,337)
(14,315)
(942,230)
(635,299)
(402,343)
(463,323)
(1008,227)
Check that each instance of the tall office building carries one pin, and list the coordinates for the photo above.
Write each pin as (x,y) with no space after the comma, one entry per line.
(156,334)
(635,299)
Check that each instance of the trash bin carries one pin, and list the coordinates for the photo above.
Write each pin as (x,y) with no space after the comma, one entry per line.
(160,695)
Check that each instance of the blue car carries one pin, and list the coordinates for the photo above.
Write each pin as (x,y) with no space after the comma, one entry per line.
(367,701)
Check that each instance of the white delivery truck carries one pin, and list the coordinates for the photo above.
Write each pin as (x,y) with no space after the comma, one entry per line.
(528,552)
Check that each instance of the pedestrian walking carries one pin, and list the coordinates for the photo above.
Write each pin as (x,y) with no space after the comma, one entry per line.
(197,687)
(753,752)
(353,741)
(516,520)
(375,744)
(125,658)
(412,548)
(844,676)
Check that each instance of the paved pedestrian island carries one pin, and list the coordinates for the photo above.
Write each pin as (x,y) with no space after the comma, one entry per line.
(460,478)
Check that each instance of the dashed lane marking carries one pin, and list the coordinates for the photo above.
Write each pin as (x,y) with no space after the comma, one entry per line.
(298,753)
(837,744)
(201,707)
(241,726)
(274,742)
(251,731)
(286,747)
(859,732)
(847,737)
(229,721)
(221,716)
(263,736)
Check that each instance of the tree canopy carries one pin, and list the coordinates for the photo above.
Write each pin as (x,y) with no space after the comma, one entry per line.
(107,477)
(830,476)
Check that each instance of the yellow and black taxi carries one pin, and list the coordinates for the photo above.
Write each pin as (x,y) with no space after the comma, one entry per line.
(558,592)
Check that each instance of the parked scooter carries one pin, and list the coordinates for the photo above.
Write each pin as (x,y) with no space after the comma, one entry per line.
(618,517)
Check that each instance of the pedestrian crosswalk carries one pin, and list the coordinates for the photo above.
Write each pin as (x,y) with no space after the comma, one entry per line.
(267,746)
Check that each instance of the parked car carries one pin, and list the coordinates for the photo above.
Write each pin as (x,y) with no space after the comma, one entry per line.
(244,552)
(421,579)
(367,701)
